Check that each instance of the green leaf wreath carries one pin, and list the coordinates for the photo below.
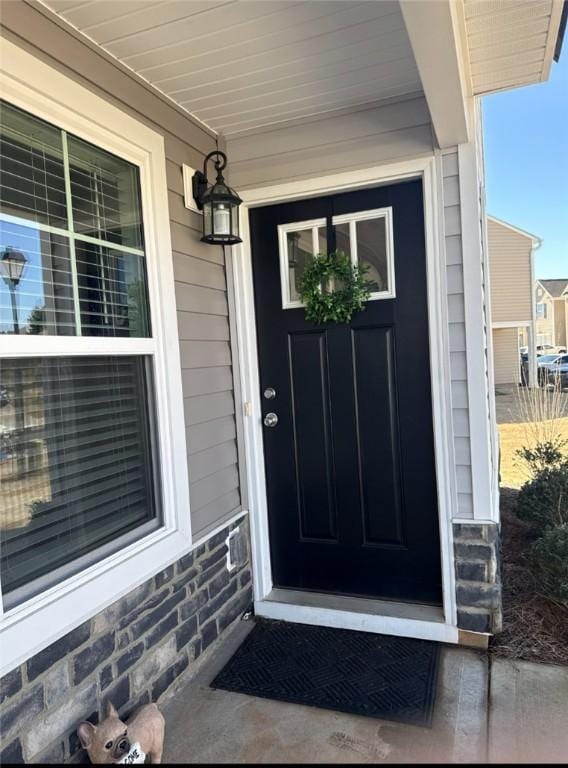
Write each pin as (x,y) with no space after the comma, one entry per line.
(332,288)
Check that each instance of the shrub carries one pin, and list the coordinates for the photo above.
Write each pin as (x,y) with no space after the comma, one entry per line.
(550,553)
(543,501)
(545,454)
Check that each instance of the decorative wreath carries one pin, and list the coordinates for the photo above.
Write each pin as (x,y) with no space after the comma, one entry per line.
(332,288)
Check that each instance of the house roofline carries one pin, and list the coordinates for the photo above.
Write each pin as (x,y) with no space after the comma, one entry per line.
(564,293)
(544,288)
(537,241)
(561,31)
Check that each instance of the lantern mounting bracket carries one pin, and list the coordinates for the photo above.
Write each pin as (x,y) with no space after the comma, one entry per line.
(200,182)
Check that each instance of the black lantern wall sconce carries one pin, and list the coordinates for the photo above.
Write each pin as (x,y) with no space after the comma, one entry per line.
(219,203)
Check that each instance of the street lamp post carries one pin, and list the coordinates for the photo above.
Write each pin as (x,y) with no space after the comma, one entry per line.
(12,263)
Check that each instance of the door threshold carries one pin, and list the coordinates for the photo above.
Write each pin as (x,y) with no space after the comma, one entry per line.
(385,617)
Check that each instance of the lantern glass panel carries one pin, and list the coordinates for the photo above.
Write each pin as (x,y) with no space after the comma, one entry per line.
(235,220)
(207,219)
(221,218)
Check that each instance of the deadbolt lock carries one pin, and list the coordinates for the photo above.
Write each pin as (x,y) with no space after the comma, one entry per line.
(269,393)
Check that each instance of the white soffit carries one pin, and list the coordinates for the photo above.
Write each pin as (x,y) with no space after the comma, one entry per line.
(238,65)
(511,42)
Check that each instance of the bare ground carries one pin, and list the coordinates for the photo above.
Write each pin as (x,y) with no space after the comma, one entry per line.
(535,628)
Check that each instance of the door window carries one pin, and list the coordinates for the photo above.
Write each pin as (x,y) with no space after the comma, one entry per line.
(365,236)
(298,242)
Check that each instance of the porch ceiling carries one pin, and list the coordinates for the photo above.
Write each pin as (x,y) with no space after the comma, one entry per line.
(239,65)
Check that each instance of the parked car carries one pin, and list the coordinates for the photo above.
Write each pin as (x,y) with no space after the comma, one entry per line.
(558,372)
(4,397)
(524,368)
(544,363)
(549,349)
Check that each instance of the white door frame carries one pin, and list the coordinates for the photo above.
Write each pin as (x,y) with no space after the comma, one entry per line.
(429,170)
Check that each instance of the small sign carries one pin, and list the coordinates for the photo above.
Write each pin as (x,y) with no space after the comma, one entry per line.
(135,755)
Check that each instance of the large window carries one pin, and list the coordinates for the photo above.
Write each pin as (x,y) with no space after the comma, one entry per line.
(78,456)
(74,212)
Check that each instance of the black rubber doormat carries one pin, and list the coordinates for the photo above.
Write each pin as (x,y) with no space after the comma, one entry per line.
(392,678)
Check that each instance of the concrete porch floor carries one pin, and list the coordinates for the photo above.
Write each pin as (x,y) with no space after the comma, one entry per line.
(521,717)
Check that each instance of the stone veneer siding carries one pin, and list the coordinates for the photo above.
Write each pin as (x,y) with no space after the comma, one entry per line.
(478,576)
(130,653)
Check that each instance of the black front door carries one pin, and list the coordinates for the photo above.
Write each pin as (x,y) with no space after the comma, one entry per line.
(351,482)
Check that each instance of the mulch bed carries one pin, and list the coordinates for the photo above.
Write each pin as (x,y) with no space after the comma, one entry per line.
(535,627)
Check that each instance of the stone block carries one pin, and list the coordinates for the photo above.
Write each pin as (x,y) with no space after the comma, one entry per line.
(106,677)
(212,606)
(469,571)
(11,754)
(159,632)
(53,724)
(475,621)
(129,658)
(56,683)
(473,551)
(193,605)
(58,650)
(19,712)
(208,634)
(87,660)
(119,694)
(186,632)
(152,665)
(162,578)
(234,609)
(10,684)
(478,595)
(151,619)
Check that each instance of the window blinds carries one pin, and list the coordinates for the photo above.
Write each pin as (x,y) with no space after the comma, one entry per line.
(75,468)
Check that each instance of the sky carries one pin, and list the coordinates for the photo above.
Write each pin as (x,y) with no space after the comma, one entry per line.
(526,163)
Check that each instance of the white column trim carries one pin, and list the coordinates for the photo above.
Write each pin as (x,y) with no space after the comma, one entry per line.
(477,380)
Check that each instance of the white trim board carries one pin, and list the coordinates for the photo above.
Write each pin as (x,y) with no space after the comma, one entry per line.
(511,323)
(361,622)
(427,170)
(477,381)
(33,85)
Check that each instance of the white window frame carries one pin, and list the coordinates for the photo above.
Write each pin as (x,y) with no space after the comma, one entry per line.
(314,225)
(376,213)
(27,628)
(541,310)
(283,229)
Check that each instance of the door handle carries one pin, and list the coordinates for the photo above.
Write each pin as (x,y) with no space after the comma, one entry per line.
(270,420)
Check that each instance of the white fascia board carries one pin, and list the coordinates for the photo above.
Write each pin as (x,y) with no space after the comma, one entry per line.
(437,36)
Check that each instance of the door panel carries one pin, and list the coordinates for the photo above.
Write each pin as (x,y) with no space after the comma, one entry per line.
(377,435)
(351,486)
(312,437)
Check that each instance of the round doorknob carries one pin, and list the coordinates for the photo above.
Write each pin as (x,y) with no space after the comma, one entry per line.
(270,420)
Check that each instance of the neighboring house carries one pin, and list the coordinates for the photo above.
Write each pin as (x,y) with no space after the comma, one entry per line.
(511,272)
(166,397)
(552,312)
